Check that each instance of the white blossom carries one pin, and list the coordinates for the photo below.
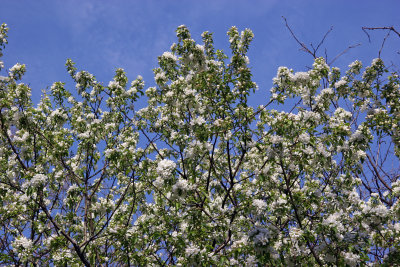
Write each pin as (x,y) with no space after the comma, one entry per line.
(198,121)
(169,55)
(300,77)
(180,186)
(260,204)
(304,138)
(16,67)
(260,235)
(165,167)
(192,250)
(340,83)
(23,243)
(357,136)
(351,258)
(275,139)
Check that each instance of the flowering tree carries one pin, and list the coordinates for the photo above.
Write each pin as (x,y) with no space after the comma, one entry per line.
(199,176)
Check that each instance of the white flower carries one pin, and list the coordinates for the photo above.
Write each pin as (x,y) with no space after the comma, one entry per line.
(169,55)
(165,167)
(310,115)
(333,219)
(361,154)
(328,91)
(300,77)
(131,91)
(200,47)
(376,61)
(380,211)
(304,138)
(16,67)
(260,235)
(198,121)
(278,203)
(233,262)
(357,135)
(340,112)
(351,259)
(295,233)
(238,243)
(247,60)
(84,135)
(72,188)
(251,261)
(308,150)
(181,184)
(113,84)
(189,91)
(160,76)
(37,180)
(192,250)
(355,64)
(22,242)
(275,139)
(150,91)
(365,105)
(259,204)
(78,75)
(108,152)
(96,121)
(23,138)
(340,83)
(24,198)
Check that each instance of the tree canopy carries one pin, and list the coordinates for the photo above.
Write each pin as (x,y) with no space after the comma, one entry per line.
(199,176)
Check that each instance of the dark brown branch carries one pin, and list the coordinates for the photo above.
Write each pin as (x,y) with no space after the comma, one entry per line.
(299,220)
(343,52)
(304,47)
(377,173)
(323,38)
(383,43)
(77,248)
(391,28)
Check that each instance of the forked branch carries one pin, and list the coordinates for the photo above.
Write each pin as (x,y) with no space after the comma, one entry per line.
(314,50)
(388,28)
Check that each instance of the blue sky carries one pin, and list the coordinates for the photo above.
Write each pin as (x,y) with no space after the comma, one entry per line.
(103,35)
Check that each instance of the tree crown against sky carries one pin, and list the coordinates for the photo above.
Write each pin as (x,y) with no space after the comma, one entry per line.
(199,175)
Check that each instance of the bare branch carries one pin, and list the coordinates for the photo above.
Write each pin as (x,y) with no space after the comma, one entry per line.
(383,43)
(304,47)
(323,38)
(344,52)
(391,28)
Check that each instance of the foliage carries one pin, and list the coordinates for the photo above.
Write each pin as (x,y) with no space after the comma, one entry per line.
(199,177)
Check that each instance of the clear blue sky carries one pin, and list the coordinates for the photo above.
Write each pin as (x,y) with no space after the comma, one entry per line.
(103,35)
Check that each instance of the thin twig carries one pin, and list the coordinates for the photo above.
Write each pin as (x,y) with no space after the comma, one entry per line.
(323,39)
(391,28)
(343,52)
(314,49)
(383,43)
(305,48)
